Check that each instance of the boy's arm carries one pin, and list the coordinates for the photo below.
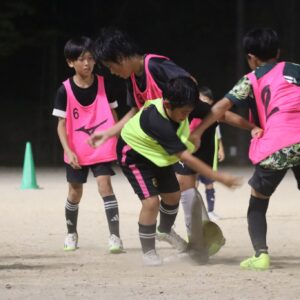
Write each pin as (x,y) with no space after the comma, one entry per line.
(221,152)
(115,115)
(205,170)
(236,120)
(62,134)
(98,138)
(217,111)
(220,112)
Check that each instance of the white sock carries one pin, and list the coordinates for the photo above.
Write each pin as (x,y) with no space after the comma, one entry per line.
(186,200)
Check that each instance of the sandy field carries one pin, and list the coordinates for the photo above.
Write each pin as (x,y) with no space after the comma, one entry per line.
(33,264)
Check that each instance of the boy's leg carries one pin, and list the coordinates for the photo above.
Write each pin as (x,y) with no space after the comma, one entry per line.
(140,173)
(103,173)
(147,223)
(72,205)
(296,171)
(76,178)
(187,181)
(147,230)
(110,204)
(263,183)
(210,196)
(168,212)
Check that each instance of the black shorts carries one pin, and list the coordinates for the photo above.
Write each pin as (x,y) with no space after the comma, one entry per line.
(80,175)
(146,178)
(182,169)
(265,181)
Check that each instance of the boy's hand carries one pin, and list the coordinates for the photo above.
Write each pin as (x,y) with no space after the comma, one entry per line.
(230,181)
(257,132)
(221,155)
(73,161)
(98,138)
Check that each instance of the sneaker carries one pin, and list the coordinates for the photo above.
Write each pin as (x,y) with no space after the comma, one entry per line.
(262,262)
(213,216)
(71,241)
(115,244)
(151,258)
(173,239)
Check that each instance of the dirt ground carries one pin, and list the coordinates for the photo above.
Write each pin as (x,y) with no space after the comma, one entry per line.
(33,264)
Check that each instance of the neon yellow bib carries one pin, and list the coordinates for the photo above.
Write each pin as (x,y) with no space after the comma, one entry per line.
(145,145)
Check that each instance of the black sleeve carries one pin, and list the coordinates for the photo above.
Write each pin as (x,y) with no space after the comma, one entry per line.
(162,130)
(115,88)
(60,101)
(200,111)
(109,90)
(163,70)
(207,147)
(130,101)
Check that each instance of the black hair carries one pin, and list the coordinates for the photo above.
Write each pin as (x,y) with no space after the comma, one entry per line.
(77,46)
(206,91)
(181,91)
(113,45)
(261,42)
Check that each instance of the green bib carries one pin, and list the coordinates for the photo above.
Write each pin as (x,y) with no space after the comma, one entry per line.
(145,145)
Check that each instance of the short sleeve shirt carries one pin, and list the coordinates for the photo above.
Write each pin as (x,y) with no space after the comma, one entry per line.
(242,93)
(85,96)
(162,130)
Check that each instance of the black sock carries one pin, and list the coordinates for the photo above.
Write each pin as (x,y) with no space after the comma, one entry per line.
(257,224)
(112,214)
(71,213)
(168,215)
(147,236)
(210,198)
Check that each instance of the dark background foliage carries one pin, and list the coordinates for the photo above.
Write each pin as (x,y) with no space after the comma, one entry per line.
(204,37)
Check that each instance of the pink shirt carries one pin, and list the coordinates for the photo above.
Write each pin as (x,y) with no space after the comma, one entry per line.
(152,90)
(82,121)
(278,105)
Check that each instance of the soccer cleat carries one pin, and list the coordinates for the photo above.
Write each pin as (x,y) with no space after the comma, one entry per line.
(71,242)
(115,244)
(173,239)
(260,263)
(152,259)
(213,216)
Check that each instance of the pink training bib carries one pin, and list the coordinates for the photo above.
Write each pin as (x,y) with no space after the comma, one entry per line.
(278,105)
(152,91)
(82,121)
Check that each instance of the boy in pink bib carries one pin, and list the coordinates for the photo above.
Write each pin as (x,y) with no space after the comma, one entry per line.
(272,91)
(82,107)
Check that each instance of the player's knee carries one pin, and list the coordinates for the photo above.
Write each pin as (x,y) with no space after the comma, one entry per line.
(75,192)
(104,186)
(258,195)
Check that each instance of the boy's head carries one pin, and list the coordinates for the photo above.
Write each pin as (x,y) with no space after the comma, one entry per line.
(115,49)
(77,46)
(263,43)
(79,55)
(206,95)
(180,97)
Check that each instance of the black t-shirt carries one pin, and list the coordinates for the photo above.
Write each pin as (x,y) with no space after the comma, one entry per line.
(162,70)
(207,147)
(85,96)
(162,130)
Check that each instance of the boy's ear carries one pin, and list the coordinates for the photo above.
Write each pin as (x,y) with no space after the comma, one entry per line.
(70,63)
(166,103)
